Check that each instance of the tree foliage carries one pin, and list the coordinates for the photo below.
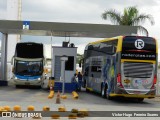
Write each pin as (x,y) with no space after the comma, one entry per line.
(130,17)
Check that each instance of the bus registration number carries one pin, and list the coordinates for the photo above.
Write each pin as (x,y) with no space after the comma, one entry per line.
(141,82)
(27,83)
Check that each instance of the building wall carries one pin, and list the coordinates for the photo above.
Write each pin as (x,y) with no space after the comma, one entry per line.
(60,51)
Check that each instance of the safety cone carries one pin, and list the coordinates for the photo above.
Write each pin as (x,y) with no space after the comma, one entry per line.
(58,100)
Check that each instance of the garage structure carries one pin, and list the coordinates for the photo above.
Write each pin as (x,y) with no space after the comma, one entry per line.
(70,65)
(55,29)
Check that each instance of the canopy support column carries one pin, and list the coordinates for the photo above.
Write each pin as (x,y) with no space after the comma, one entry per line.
(3,81)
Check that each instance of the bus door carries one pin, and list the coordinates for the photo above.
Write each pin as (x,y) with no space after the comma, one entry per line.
(96,68)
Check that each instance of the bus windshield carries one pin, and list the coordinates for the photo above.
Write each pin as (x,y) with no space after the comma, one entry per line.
(28,68)
(141,48)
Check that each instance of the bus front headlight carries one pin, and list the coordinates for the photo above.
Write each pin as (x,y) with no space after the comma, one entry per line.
(39,79)
(15,78)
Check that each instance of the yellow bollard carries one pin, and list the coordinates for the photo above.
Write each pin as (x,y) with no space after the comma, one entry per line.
(55,116)
(51,82)
(1,110)
(8,108)
(84,112)
(51,94)
(72,116)
(80,115)
(61,109)
(75,95)
(30,108)
(17,108)
(46,108)
(74,110)
(64,96)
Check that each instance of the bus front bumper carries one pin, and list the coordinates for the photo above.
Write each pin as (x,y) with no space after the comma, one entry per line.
(121,92)
(27,82)
(132,95)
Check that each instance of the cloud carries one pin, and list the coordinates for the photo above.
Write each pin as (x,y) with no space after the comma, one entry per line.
(85,11)
(62,11)
(3,4)
(81,48)
(3,9)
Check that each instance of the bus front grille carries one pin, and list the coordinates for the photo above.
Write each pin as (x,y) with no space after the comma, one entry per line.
(138,70)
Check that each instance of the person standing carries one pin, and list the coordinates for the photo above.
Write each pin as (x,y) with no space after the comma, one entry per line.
(79,81)
(74,81)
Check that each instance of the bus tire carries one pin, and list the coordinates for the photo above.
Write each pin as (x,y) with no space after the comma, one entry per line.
(42,85)
(87,90)
(103,91)
(108,97)
(17,86)
(140,99)
(84,83)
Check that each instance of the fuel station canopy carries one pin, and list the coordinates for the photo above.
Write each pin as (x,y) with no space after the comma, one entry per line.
(37,28)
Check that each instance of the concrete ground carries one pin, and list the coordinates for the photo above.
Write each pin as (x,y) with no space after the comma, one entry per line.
(24,97)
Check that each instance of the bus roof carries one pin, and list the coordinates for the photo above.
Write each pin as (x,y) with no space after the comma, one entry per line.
(29,50)
(104,40)
(112,38)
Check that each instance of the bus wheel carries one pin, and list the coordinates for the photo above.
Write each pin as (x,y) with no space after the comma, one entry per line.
(108,97)
(140,99)
(17,86)
(103,91)
(87,90)
(42,85)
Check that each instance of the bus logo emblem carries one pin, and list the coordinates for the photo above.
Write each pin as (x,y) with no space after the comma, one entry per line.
(139,44)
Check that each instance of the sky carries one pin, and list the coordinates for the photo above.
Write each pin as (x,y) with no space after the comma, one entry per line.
(81,11)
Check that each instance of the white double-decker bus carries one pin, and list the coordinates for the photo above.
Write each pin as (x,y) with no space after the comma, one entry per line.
(28,64)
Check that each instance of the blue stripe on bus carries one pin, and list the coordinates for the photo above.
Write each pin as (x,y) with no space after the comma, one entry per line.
(27,77)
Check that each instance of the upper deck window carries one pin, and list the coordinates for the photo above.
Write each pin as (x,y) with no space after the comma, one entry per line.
(143,48)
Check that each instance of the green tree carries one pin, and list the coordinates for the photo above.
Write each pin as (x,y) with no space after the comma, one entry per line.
(130,17)
(79,57)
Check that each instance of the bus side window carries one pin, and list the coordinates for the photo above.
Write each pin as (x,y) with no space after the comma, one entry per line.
(86,74)
(86,71)
(114,49)
(109,47)
(92,75)
(116,57)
